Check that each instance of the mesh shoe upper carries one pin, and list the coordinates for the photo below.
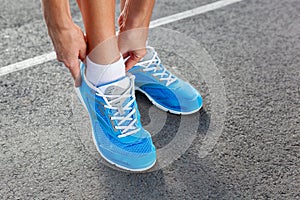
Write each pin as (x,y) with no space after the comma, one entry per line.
(117,130)
(163,88)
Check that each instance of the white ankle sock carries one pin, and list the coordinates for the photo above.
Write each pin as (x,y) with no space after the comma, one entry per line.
(99,74)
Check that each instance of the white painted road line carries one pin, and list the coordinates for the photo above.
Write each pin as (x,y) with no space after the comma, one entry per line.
(27,63)
(159,22)
(192,12)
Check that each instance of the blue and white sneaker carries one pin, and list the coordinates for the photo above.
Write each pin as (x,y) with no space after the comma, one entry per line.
(117,131)
(164,89)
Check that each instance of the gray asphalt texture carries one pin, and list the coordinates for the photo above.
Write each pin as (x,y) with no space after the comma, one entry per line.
(256,47)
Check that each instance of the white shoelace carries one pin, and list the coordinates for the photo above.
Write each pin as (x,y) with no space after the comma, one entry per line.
(154,64)
(119,115)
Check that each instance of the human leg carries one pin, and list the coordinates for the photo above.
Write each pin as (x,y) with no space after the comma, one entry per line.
(104,63)
(164,89)
(134,23)
(117,130)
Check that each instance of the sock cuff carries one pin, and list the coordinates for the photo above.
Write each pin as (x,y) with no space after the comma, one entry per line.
(118,62)
(99,74)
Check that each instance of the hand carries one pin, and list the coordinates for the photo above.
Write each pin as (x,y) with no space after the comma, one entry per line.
(132,42)
(70,45)
(134,25)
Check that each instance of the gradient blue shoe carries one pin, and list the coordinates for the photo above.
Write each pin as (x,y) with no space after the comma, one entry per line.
(164,89)
(117,131)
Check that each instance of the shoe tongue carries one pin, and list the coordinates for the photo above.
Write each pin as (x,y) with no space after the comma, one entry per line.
(116,88)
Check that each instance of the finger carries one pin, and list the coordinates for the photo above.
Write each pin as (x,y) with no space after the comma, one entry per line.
(74,68)
(132,60)
(120,19)
(82,54)
(83,49)
(125,55)
(135,57)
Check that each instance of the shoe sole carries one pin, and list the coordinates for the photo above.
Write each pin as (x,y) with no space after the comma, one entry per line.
(94,139)
(164,108)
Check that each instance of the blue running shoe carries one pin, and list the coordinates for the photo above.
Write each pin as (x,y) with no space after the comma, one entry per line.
(164,89)
(117,131)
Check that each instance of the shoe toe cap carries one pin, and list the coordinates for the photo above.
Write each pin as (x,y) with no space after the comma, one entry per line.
(188,98)
(138,156)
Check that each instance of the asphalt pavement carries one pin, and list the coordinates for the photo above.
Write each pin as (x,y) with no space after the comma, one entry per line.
(251,51)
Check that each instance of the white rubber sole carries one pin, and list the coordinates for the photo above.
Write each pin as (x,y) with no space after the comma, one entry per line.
(94,140)
(164,108)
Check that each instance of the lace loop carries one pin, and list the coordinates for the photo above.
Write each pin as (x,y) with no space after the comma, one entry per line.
(154,64)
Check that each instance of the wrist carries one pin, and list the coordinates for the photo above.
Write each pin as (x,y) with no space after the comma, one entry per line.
(134,24)
(63,23)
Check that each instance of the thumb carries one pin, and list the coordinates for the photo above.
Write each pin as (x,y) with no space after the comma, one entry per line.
(132,60)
